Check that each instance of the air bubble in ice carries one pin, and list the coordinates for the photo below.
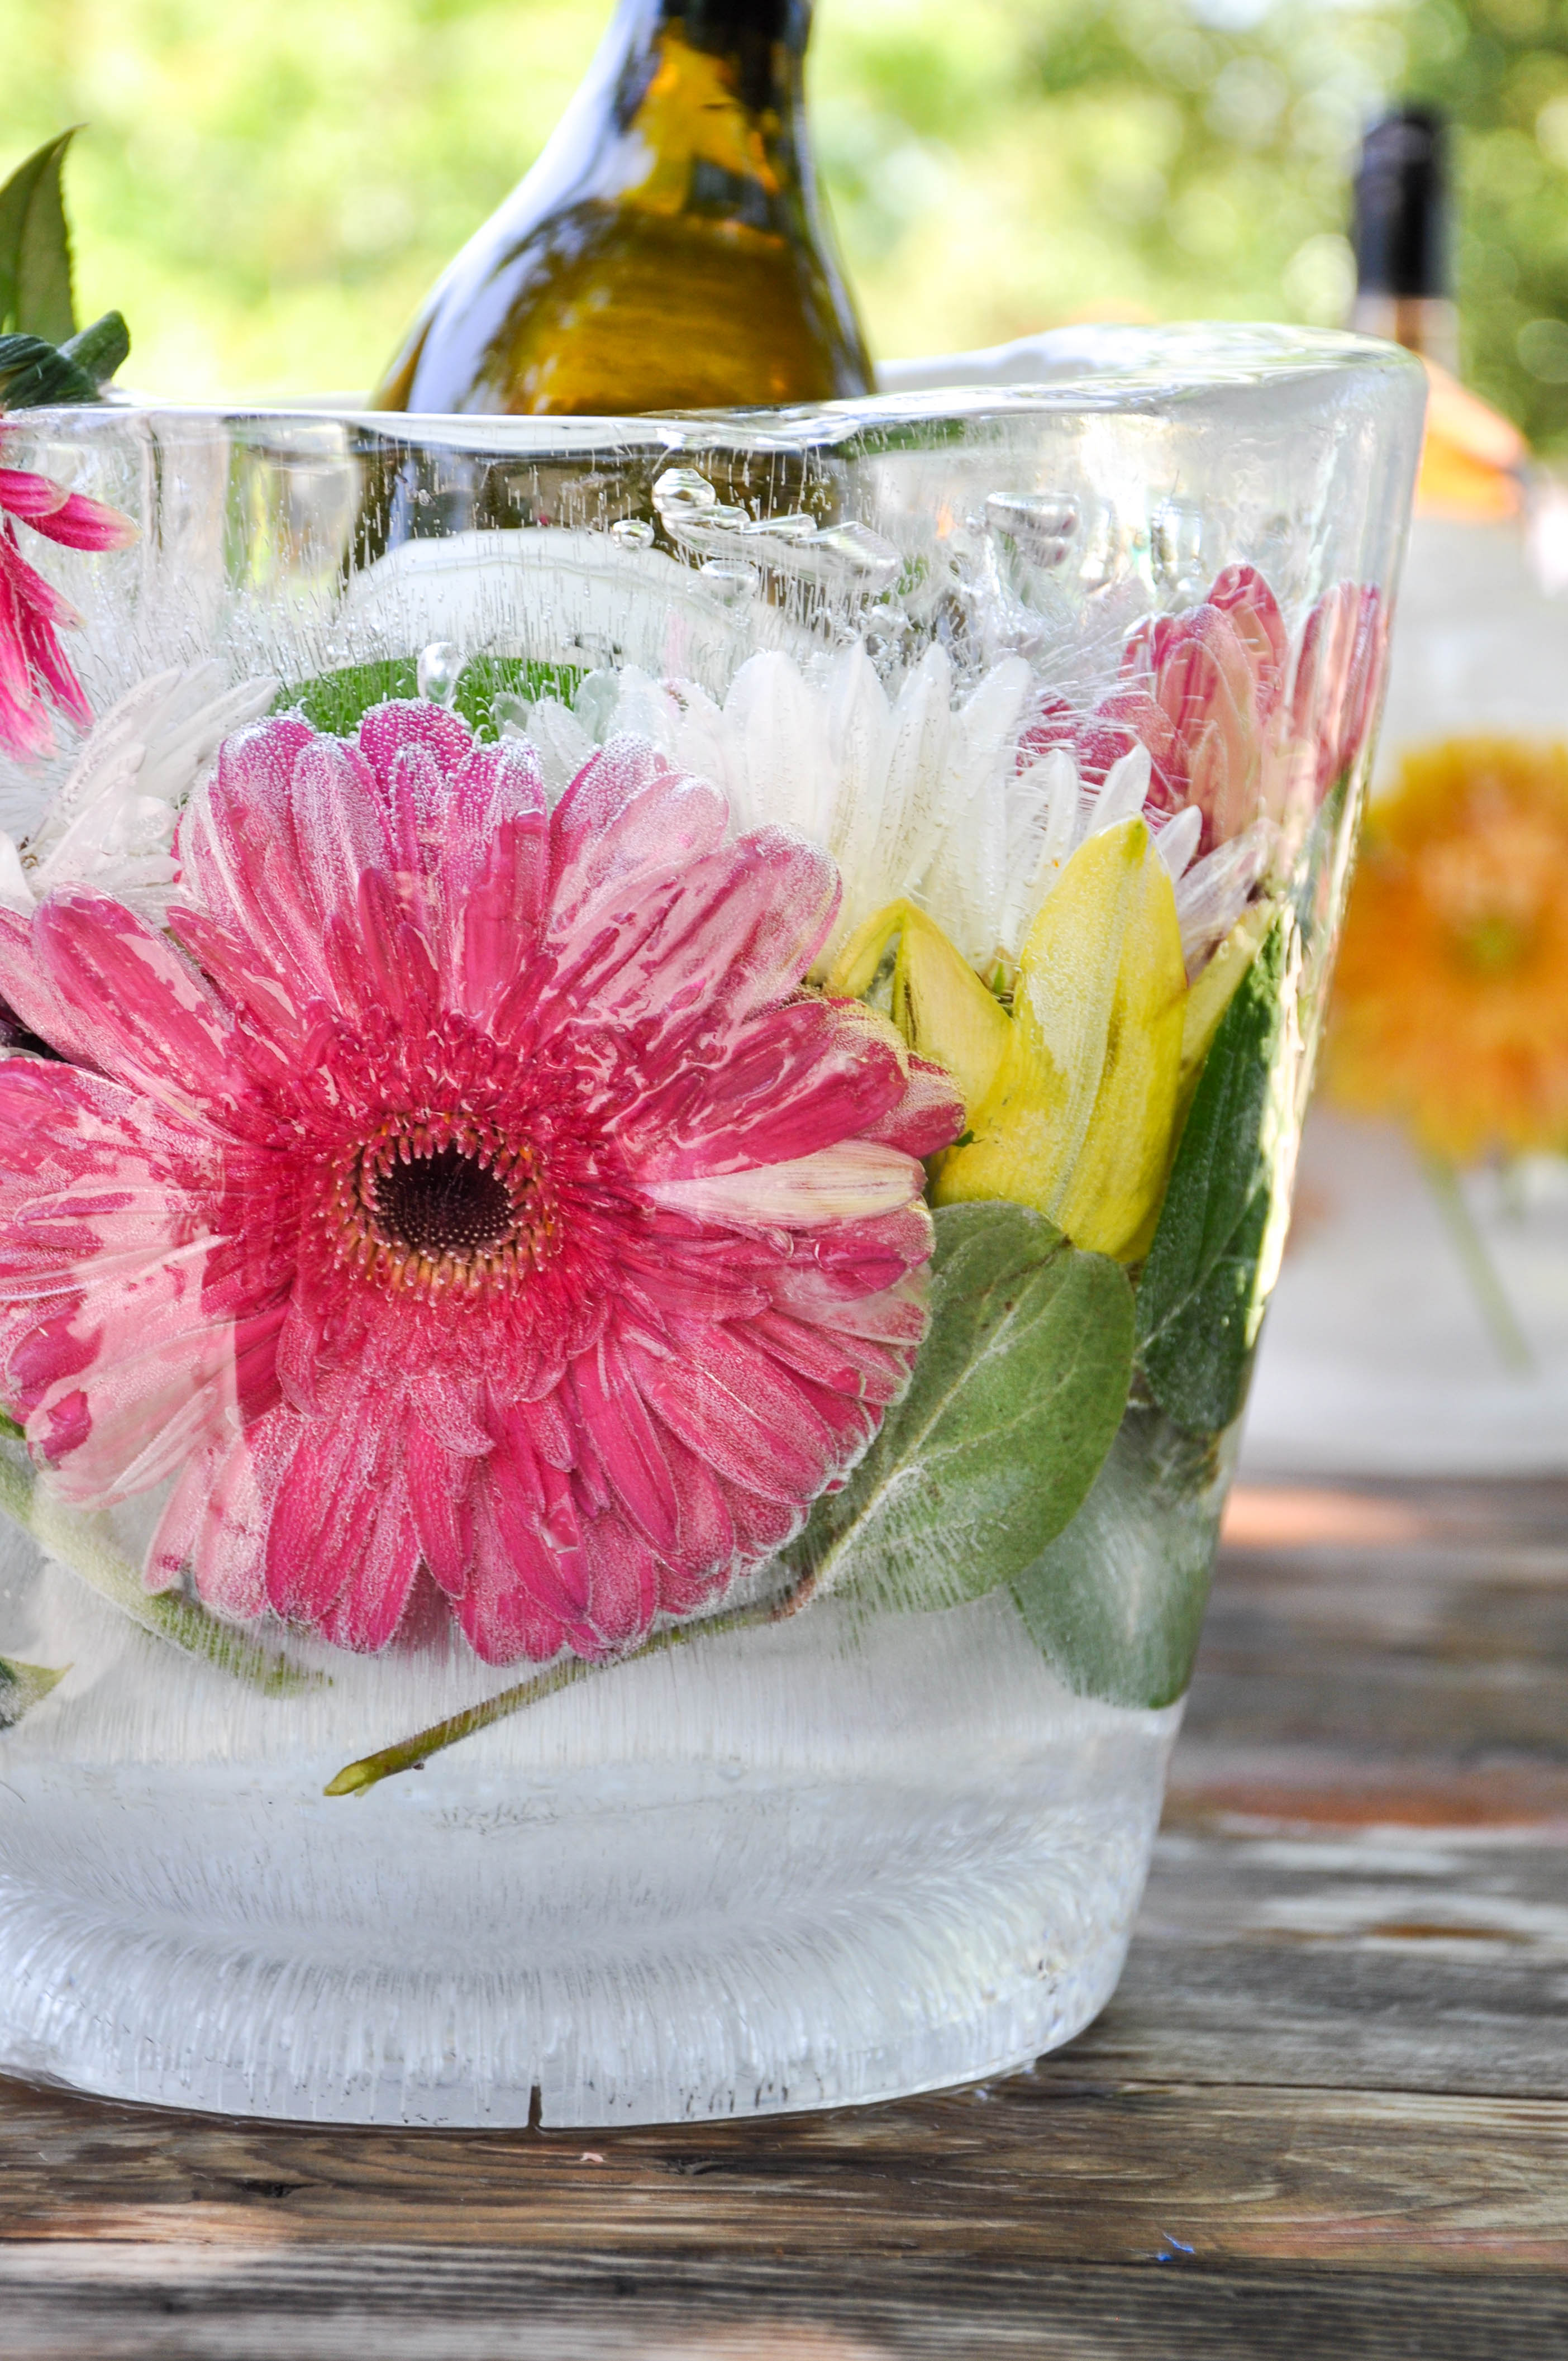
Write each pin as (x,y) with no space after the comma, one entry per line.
(631,532)
(856,553)
(1176,547)
(727,581)
(1041,526)
(440,670)
(791,524)
(682,491)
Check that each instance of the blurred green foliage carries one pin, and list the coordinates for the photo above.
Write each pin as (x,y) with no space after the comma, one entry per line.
(266,187)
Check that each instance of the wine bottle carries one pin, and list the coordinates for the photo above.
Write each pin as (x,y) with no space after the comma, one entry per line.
(1401,236)
(1473,457)
(668,250)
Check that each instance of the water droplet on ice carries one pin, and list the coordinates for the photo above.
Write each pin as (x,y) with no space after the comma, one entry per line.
(631,532)
(440,670)
(732,582)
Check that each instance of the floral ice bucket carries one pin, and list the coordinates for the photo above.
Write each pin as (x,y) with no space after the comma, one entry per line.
(651,1070)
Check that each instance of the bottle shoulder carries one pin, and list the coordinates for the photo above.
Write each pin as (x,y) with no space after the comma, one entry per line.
(600,308)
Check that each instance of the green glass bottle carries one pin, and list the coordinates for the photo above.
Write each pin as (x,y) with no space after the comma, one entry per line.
(667,251)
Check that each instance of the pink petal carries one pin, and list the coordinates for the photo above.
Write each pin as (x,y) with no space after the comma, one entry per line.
(627,1441)
(735,928)
(791,1082)
(82,523)
(626,816)
(368,1608)
(137,1009)
(623,1581)
(402,723)
(741,1414)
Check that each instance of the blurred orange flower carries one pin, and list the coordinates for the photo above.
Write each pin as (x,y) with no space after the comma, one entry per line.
(1451,1003)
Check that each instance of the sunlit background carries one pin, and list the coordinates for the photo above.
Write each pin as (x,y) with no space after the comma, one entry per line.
(266,187)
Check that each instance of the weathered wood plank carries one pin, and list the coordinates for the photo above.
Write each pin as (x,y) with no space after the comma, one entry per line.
(131,2305)
(1041,2167)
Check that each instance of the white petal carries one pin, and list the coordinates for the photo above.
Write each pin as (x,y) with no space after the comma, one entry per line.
(916,813)
(14,891)
(965,885)
(560,743)
(1212,895)
(1124,792)
(782,726)
(850,1183)
(707,747)
(642,709)
(1056,778)
(1177,841)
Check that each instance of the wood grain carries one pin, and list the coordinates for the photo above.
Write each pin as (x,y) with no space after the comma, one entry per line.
(1336,2070)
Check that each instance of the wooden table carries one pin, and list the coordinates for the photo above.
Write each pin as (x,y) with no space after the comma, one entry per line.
(1327,2112)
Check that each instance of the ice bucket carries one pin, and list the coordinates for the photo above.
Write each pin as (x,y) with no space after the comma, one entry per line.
(651,1074)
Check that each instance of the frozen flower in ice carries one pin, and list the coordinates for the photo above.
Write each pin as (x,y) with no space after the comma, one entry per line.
(1338,681)
(112,822)
(907,793)
(34,673)
(475,1191)
(1235,722)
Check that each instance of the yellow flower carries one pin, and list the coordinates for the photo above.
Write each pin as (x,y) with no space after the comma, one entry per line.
(1451,1005)
(1078,1121)
(1072,1099)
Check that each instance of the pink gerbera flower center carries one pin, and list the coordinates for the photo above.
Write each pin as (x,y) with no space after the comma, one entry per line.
(432,1203)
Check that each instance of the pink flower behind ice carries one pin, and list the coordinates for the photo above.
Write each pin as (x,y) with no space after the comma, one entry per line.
(1339,678)
(1232,718)
(477,1201)
(34,672)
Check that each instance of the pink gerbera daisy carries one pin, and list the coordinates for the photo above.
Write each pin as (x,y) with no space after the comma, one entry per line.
(476,1198)
(33,668)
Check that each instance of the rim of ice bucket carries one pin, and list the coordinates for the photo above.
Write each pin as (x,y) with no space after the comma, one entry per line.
(1098,367)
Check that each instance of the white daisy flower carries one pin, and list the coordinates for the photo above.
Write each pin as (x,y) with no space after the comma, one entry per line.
(912,796)
(112,823)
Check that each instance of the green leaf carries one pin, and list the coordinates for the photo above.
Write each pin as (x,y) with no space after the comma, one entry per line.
(1116,1603)
(22,1686)
(35,246)
(1016,1395)
(33,373)
(1222,1228)
(338,701)
(102,348)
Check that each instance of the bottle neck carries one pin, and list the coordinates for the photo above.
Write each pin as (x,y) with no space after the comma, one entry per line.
(701,108)
(761,42)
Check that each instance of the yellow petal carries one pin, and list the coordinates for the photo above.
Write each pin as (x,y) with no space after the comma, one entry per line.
(854,971)
(1078,1120)
(1214,987)
(939,1004)
(944,1012)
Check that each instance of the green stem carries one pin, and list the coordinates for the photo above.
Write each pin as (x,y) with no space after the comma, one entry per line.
(86,1545)
(409,1753)
(1498,1314)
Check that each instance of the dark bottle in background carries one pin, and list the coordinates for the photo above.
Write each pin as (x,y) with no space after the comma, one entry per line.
(668,250)
(1403,288)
